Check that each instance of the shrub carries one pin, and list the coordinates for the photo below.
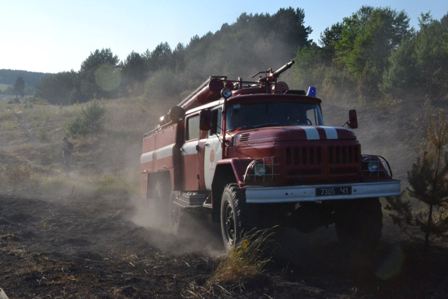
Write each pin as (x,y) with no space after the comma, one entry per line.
(90,121)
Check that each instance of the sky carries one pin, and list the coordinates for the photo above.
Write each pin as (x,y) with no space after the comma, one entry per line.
(57,35)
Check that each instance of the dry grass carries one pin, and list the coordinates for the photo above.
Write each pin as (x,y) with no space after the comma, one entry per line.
(114,186)
(31,161)
(22,180)
(242,267)
(245,261)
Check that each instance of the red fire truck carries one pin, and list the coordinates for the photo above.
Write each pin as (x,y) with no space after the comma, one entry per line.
(255,154)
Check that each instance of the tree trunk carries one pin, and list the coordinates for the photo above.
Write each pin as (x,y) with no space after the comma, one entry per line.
(428,227)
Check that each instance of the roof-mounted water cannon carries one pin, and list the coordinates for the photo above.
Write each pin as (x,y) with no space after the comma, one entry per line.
(282,69)
(272,76)
(269,80)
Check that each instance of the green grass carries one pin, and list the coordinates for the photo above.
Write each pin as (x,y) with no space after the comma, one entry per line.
(4,87)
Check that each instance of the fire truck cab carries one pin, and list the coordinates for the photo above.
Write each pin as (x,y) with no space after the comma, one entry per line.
(257,154)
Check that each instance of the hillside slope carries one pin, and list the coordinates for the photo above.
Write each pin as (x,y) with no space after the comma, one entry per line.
(74,231)
(9,77)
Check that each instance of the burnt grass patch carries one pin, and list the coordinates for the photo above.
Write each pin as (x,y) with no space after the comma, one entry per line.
(88,249)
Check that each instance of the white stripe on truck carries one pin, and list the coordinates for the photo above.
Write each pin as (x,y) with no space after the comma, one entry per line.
(163,152)
(330,132)
(189,148)
(146,157)
(311,133)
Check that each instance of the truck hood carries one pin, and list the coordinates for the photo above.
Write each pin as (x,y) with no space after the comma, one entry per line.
(293,133)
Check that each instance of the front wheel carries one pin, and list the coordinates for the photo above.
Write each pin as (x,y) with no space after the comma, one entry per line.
(231,216)
(359,223)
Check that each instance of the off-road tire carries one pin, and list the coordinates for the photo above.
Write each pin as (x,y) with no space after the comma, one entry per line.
(232,216)
(178,218)
(185,221)
(158,199)
(359,223)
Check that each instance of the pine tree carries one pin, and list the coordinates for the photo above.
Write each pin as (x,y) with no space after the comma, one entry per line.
(428,184)
(19,87)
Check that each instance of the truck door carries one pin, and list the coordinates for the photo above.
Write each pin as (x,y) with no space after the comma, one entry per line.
(190,155)
(213,149)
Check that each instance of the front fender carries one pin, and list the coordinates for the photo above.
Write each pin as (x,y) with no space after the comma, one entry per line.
(227,171)
(237,167)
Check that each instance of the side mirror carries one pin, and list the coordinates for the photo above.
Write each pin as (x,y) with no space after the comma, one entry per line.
(352,119)
(205,120)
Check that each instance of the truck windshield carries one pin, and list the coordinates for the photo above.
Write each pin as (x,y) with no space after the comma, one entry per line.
(266,114)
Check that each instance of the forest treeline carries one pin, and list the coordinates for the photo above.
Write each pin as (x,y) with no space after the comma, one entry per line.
(372,54)
(240,49)
(375,54)
(10,77)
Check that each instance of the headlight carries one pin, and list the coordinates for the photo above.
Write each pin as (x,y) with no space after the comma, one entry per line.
(373,166)
(259,169)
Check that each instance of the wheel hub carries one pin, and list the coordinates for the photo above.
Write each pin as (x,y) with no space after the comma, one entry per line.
(229,224)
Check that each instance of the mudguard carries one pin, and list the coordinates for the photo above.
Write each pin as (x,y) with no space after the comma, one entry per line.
(238,167)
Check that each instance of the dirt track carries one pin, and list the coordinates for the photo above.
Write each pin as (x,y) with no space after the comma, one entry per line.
(88,248)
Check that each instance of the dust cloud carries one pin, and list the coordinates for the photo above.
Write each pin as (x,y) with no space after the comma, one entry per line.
(392,130)
(198,233)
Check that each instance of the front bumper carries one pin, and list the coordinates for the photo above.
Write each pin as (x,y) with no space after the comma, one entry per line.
(307,193)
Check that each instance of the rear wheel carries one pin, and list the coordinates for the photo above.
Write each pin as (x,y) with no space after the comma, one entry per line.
(178,217)
(159,199)
(231,216)
(359,223)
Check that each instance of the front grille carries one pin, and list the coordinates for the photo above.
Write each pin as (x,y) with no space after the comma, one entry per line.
(343,154)
(313,155)
(304,155)
(329,161)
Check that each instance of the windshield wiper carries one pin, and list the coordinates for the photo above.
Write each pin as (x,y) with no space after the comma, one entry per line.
(266,125)
(257,126)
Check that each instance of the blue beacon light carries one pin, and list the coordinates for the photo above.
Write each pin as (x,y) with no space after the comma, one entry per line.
(312,91)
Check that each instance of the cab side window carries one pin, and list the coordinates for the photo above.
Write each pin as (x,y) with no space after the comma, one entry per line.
(215,125)
(192,127)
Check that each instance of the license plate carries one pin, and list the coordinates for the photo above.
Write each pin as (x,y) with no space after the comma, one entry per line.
(338,190)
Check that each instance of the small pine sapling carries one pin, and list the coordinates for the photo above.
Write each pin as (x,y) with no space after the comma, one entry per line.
(428,184)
